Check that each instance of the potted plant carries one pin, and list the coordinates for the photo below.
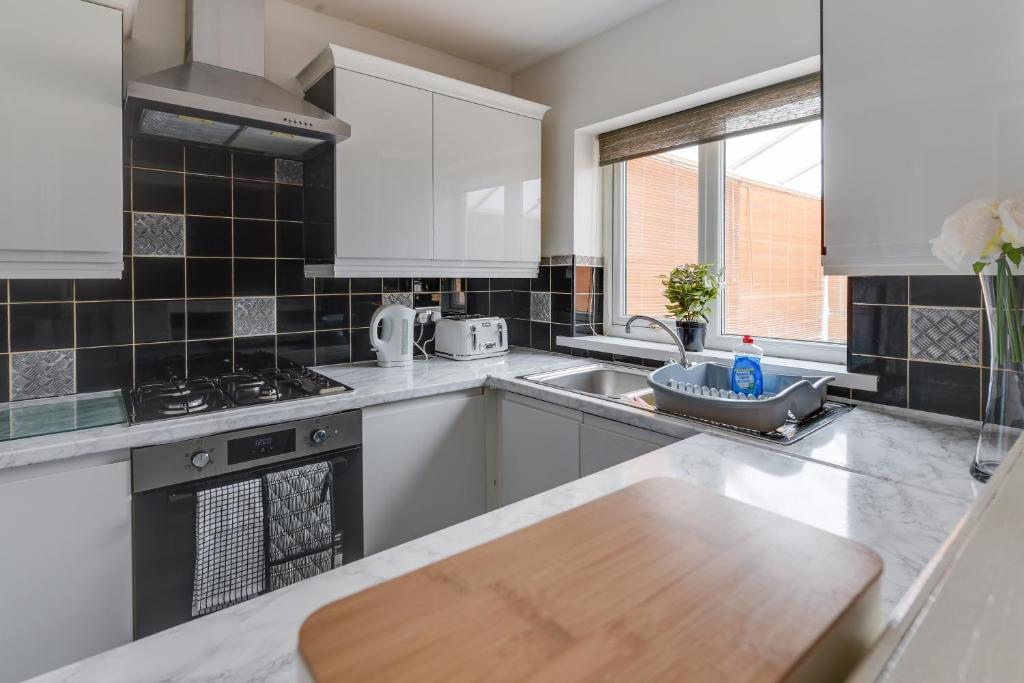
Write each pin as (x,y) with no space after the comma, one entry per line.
(690,289)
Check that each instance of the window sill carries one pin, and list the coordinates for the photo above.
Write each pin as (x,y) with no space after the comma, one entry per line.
(662,352)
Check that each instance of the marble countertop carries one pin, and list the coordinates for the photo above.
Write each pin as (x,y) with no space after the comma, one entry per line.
(918,449)
(904,522)
(373,385)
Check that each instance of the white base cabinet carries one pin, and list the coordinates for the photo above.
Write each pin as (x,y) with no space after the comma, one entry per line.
(424,467)
(540,447)
(60,136)
(65,578)
(543,445)
(604,443)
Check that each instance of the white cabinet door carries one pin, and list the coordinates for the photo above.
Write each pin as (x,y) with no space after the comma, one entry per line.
(604,443)
(60,136)
(424,467)
(384,187)
(540,447)
(65,578)
(922,112)
(486,184)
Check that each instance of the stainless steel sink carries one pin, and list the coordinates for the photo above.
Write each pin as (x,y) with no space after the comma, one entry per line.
(629,386)
(604,381)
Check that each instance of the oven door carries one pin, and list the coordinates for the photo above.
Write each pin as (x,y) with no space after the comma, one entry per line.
(164,535)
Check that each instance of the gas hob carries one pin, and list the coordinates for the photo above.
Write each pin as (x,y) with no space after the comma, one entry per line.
(200,395)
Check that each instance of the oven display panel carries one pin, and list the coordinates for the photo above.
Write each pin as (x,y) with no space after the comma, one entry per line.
(261,446)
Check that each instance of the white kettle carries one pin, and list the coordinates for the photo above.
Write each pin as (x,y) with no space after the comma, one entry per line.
(391,335)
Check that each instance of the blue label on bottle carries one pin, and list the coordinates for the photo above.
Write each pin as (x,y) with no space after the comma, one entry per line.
(746,376)
(745,379)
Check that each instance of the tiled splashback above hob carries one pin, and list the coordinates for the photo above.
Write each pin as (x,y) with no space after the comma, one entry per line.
(214,281)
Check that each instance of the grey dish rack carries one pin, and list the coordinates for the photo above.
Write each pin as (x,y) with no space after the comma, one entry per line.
(704,391)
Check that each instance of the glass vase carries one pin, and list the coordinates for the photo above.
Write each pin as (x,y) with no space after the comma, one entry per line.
(1003,415)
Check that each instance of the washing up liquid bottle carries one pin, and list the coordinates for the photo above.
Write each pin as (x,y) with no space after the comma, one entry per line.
(746,368)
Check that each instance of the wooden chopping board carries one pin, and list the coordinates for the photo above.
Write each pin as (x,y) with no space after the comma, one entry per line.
(659,581)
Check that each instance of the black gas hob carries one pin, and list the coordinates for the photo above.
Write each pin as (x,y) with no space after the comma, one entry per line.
(199,395)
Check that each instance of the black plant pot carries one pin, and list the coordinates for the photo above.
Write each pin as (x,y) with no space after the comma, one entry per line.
(692,334)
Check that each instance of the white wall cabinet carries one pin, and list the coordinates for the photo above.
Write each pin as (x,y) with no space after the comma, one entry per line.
(60,132)
(923,110)
(540,447)
(383,181)
(440,177)
(65,578)
(604,443)
(486,184)
(424,467)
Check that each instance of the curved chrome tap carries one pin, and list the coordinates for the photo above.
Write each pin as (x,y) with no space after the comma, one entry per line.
(671,333)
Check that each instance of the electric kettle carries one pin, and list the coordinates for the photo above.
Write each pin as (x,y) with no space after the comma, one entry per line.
(391,335)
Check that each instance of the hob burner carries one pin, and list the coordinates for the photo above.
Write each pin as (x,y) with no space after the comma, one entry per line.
(175,398)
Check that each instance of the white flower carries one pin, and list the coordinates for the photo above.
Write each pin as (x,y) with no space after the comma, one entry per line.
(1011,214)
(971,234)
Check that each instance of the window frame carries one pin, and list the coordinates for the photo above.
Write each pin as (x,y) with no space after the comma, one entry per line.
(710,235)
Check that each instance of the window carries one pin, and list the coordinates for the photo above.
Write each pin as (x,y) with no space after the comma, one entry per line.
(750,202)
(774,284)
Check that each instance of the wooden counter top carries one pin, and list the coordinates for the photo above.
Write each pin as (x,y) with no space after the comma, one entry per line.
(659,581)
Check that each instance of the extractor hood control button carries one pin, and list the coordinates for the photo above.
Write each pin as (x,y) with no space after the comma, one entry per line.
(200,459)
(318,436)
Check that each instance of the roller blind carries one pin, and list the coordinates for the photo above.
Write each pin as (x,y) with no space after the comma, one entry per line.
(781,104)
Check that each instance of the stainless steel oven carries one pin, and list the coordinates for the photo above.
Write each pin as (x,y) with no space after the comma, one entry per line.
(189,496)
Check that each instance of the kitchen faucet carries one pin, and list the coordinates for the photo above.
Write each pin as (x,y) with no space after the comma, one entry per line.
(671,333)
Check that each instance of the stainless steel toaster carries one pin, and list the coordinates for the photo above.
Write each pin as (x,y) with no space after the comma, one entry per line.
(466,337)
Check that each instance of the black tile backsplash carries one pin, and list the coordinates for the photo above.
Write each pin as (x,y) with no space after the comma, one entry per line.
(948,389)
(879,290)
(945,290)
(878,330)
(157,191)
(103,323)
(38,327)
(227,229)
(920,335)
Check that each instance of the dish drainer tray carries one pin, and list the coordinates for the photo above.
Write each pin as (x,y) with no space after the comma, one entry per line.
(704,391)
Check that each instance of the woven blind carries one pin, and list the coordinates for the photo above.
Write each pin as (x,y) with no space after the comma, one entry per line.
(788,102)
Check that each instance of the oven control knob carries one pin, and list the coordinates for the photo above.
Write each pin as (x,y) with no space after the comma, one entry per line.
(200,459)
(318,436)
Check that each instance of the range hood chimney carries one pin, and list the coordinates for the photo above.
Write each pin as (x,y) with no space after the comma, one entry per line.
(219,95)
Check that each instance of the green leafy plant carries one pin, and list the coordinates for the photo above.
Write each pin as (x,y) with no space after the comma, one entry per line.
(690,289)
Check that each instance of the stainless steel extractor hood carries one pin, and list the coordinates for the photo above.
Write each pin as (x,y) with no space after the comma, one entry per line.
(219,95)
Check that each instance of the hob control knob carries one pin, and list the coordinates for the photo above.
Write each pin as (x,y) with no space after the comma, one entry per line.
(318,436)
(200,459)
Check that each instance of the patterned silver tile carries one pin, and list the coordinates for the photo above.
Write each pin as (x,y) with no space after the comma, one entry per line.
(946,335)
(159,234)
(400,298)
(540,306)
(596,261)
(561,260)
(288,172)
(36,374)
(255,316)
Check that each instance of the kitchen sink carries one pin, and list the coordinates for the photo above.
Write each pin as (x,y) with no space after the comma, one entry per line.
(604,381)
(630,386)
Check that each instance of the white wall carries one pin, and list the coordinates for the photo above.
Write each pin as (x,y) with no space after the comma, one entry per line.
(295,35)
(678,49)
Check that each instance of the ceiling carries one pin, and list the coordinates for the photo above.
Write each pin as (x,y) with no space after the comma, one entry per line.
(504,35)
